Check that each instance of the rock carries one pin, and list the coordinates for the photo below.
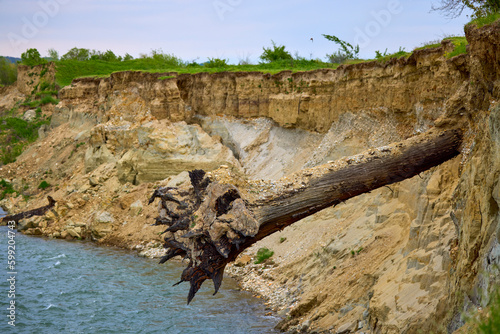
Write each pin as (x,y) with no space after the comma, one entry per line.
(102,225)
(29,115)
(305,325)
(93,181)
(165,150)
(104,217)
(64,234)
(344,310)
(73,233)
(82,136)
(25,224)
(37,231)
(42,131)
(62,211)
(345,328)
(70,189)
(136,207)
(178,179)
(50,215)
(56,235)
(243,260)
(94,157)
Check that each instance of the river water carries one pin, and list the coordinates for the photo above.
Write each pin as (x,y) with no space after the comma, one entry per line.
(78,287)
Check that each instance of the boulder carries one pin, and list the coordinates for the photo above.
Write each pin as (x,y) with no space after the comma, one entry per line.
(104,217)
(102,225)
(73,233)
(136,207)
(25,224)
(29,115)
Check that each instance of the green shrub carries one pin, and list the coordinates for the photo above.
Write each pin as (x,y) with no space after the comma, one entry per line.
(15,134)
(32,57)
(216,63)
(262,255)
(53,54)
(5,188)
(276,53)
(43,185)
(347,51)
(8,72)
(491,325)
(48,99)
(47,86)
(76,54)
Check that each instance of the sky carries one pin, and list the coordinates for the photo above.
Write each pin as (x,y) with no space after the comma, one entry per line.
(195,30)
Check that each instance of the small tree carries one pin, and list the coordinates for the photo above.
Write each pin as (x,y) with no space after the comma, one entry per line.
(277,52)
(8,71)
(77,54)
(347,51)
(127,57)
(32,57)
(53,54)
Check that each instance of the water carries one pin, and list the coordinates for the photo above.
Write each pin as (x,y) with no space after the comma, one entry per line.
(78,287)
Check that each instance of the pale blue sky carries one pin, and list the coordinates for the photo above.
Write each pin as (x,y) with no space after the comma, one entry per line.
(231,29)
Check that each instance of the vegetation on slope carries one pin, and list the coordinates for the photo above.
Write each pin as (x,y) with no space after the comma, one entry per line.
(67,70)
(8,72)
(15,134)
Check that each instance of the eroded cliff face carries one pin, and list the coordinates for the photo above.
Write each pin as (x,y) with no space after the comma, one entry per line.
(405,258)
(413,91)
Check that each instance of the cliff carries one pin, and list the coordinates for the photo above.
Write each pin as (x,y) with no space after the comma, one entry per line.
(416,256)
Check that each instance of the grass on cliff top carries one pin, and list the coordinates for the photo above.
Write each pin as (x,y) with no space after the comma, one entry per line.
(460,43)
(67,70)
(482,21)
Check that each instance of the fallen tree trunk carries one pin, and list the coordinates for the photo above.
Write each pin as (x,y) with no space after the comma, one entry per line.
(28,214)
(215,217)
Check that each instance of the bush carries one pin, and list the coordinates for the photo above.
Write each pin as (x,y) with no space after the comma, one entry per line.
(8,72)
(491,325)
(32,58)
(5,188)
(216,63)
(15,134)
(43,185)
(53,54)
(347,51)
(76,54)
(165,60)
(262,255)
(277,52)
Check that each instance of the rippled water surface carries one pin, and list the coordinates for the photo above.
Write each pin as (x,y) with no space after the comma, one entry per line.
(77,287)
